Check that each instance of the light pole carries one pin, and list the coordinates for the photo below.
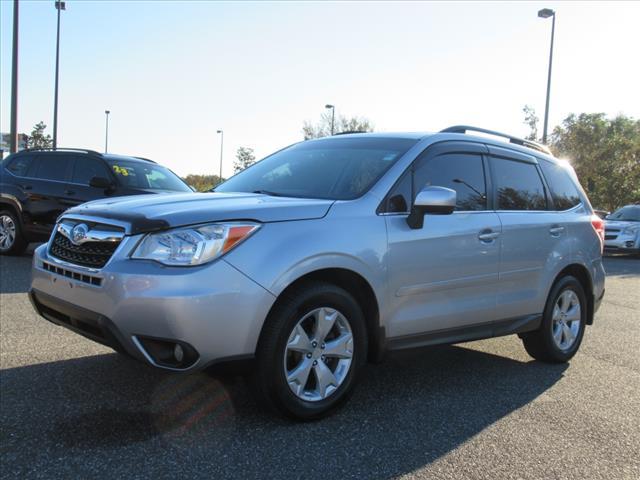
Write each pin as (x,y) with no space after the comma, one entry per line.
(13,140)
(221,145)
(59,6)
(546,13)
(333,112)
(106,130)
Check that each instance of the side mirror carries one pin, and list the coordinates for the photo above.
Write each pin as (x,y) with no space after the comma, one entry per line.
(101,182)
(434,200)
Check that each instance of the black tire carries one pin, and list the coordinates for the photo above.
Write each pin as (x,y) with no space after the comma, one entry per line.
(19,244)
(268,378)
(540,343)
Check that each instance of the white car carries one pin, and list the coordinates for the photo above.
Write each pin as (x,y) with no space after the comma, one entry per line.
(622,230)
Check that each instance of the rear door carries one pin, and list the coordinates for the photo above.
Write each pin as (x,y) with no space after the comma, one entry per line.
(45,187)
(443,276)
(530,232)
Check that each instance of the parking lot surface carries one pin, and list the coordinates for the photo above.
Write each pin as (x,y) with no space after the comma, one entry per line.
(480,410)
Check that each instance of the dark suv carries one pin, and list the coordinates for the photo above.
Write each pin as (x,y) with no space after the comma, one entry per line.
(37,185)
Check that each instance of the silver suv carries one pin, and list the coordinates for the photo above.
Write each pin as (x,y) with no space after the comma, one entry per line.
(330,253)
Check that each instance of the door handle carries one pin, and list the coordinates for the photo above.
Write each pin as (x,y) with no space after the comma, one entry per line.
(488,236)
(69,192)
(556,230)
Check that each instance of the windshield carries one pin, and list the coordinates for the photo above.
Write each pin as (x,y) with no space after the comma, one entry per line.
(334,168)
(146,175)
(630,213)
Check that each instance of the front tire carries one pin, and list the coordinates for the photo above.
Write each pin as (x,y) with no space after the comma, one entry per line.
(563,323)
(310,352)
(12,241)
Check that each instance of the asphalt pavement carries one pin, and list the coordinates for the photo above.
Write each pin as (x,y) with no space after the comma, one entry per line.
(70,408)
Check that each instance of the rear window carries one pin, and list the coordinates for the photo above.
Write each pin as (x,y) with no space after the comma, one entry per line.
(563,191)
(146,175)
(518,185)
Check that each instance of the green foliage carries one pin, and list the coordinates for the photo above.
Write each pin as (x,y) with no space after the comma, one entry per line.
(244,158)
(605,154)
(341,124)
(38,139)
(531,120)
(202,183)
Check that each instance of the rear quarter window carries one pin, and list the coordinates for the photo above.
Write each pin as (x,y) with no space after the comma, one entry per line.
(563,191)
(20,166)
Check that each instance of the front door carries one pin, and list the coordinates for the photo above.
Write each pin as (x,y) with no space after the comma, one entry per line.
(443,276)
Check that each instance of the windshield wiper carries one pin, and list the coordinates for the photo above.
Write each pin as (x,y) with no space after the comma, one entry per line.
(268,192)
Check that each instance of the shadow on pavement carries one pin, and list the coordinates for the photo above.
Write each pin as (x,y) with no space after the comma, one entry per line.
(405,413)
(15,272)
(621,265)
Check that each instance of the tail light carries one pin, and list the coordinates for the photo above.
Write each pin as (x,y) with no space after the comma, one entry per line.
(598,225)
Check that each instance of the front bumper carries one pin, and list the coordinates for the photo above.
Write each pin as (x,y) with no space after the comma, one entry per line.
(213,309)
(623,243)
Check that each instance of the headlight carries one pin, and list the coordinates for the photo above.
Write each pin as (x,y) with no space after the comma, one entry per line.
(193,245)
(632,230)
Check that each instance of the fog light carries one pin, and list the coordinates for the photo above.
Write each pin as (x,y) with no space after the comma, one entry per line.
(178,352)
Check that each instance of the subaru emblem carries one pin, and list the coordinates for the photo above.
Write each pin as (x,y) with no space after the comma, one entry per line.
(79,233)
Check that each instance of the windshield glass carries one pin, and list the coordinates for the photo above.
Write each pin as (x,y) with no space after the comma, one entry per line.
(334,168)
(146,175)
(630,213)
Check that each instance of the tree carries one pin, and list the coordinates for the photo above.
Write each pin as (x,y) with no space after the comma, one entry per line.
(341,124)
(531,120)
(244,158)
(37,138)
(605,154)
(203,183)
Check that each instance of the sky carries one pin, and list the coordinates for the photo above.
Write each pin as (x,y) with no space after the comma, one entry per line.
(173,73)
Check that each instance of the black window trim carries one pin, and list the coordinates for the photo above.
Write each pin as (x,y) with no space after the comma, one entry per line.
(472,147)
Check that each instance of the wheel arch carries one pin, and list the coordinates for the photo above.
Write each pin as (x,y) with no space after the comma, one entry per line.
(581,273)
(362,291)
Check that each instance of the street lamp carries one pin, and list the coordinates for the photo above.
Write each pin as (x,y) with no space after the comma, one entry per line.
(59,6)
(106,131)
(333,111)
(546,13)
(221,145)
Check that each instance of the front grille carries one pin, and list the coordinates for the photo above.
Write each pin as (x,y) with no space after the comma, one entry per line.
(90,254)
(610,237)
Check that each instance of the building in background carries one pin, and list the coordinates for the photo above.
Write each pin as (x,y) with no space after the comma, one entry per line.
(5,144)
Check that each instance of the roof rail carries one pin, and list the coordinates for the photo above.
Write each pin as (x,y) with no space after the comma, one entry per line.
(348,132)
(63,149)
(518,141)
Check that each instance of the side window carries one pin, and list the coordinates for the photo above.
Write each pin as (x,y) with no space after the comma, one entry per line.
(85,168)
(20,166)
(53,167)
(462,172)
(518,185)
(563,191)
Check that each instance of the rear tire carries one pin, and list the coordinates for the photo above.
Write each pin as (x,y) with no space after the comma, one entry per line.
(12,241)
(310,352)
(563,323)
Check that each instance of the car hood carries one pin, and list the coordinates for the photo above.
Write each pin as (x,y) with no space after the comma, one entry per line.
(146,213)
(619,223)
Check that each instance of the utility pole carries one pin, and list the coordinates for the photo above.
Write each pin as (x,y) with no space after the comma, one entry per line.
(221,145)
(546,13)
(13,140)
(59,6)
(106,131)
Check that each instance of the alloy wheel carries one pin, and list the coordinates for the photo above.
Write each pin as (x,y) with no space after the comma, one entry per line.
(7,232)
(318,354)
(566,320)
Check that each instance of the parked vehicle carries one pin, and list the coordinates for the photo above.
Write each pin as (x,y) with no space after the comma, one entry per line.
(602,213)
(37,185)
(330,253)
(622,231)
